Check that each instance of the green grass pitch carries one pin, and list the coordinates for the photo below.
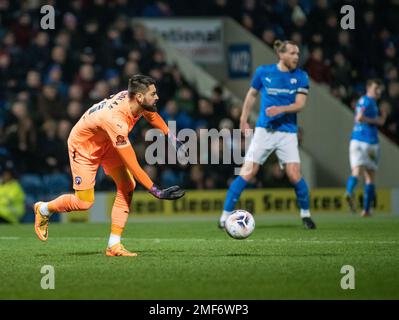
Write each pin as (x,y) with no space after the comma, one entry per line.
(189,258)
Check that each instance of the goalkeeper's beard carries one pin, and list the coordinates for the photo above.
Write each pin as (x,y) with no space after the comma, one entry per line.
(149,107)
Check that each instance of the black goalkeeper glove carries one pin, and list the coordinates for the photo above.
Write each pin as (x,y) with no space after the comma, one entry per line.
(171,193)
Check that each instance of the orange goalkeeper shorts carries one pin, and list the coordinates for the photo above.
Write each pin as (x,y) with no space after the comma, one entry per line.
(84,164)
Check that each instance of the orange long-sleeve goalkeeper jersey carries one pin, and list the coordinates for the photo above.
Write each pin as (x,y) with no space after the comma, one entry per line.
(109,123)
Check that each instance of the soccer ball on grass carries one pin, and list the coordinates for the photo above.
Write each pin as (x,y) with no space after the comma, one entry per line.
(240,224)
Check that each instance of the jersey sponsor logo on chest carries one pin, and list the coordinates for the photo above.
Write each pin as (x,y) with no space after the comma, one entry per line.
(276,91)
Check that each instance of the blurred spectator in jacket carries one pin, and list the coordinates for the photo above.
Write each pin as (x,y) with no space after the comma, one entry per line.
(318,70)
(12,196)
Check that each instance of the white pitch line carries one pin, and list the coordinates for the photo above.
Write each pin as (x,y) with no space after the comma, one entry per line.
(270,240)
(282,240)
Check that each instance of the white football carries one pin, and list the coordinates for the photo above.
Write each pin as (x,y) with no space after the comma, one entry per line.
(240,224)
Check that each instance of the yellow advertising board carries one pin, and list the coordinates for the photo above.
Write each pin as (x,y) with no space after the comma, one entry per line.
(258,201)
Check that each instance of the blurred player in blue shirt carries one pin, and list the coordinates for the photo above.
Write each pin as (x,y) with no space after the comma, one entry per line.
(364,151)
(284,89)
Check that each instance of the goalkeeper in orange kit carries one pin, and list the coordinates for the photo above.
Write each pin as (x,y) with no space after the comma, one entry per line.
(100,137)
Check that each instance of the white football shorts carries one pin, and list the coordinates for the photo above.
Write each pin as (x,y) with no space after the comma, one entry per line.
(364,154)
(265,141)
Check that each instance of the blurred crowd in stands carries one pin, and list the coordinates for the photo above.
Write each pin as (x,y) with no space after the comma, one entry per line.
(340,59)
(48,78)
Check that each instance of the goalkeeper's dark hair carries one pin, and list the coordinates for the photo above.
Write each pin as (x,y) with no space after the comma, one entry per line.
(139,84)
(280,46)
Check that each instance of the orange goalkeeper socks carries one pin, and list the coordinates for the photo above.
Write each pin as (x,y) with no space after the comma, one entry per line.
(67,203)
(120,212)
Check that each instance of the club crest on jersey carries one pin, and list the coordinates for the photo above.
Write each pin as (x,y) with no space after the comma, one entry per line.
(78,180)
(293,81)
(120,140)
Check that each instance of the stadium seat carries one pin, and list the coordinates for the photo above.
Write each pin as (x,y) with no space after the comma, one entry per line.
(31,183)
(33,187)
(169,178)
(56,184)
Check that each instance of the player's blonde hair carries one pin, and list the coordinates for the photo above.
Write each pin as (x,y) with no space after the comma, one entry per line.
(280,46)
(377,81)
